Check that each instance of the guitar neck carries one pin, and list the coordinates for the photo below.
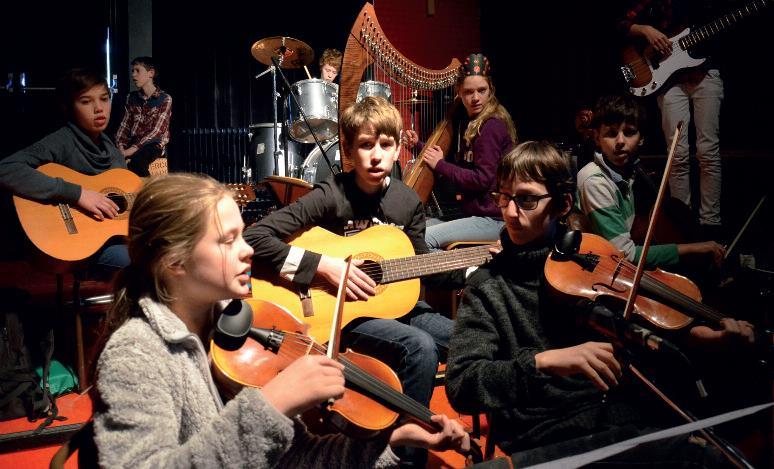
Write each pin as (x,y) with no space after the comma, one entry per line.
(404,268)
(721,24)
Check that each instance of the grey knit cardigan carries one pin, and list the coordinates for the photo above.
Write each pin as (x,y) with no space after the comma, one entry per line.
(158,407)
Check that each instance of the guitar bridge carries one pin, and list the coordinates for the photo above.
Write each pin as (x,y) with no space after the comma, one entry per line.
(628,73)
(67,218)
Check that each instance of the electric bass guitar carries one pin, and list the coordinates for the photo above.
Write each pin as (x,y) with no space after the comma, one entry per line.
(64,232)
(646,71)
(389,261)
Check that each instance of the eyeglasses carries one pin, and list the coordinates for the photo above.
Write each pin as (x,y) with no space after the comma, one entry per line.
(523,201)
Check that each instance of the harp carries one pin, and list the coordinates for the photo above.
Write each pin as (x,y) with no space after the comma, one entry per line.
(371,65)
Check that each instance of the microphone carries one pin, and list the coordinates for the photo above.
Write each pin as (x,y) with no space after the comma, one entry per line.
(615,327)
(234,326)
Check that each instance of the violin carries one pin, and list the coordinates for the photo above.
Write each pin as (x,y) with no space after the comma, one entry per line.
(588,266)
(372,402)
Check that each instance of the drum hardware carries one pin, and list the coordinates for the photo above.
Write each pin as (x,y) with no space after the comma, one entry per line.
(247,171)
(373,88)
(334,169)
(320,101)
(262,146)
(280,52)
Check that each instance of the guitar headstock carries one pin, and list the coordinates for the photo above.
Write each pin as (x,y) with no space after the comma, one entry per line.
(243,193)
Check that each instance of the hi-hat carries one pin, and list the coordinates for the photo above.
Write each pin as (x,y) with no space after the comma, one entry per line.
(294,53)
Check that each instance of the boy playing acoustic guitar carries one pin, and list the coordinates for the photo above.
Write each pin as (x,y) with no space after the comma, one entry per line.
(348,203)
(82,145)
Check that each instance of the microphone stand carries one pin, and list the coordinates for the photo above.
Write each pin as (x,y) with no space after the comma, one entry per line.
(278,153)
(334,169)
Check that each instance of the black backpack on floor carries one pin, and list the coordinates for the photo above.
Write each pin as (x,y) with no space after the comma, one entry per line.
(21,392)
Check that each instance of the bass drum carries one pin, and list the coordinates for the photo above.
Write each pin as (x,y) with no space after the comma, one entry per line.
(315,169)
(261,151)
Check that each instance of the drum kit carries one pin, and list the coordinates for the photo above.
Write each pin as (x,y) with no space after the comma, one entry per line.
(277,149)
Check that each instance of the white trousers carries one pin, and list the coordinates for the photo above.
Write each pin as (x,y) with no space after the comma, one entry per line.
(703,91)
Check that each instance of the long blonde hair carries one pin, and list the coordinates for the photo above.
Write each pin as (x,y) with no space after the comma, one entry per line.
(493,108)
(169,216)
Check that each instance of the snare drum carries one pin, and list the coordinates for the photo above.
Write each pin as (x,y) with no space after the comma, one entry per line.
(320,101)
(374,88)
(315,169)
(262,151)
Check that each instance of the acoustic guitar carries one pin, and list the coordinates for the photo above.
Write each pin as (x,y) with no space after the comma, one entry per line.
(390,262)
(646,71)
(65,233)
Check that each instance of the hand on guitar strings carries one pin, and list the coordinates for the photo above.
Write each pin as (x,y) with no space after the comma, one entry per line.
(595,360)
(97,204)
(305,383)
(359,285)
(655,38)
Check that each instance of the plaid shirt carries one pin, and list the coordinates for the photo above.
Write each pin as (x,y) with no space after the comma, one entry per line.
(145,120)
(656,13)
(672,16)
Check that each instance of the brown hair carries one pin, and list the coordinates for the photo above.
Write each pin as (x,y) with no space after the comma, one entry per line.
(331,57)
(73,83)
(618,109)
(373,111)
(169,216)
(540,162)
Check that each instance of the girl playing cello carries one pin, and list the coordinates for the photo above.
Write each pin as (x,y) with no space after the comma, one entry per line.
(156,402)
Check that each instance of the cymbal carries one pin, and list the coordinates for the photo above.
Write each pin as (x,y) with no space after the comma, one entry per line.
(295,53)
(413,101)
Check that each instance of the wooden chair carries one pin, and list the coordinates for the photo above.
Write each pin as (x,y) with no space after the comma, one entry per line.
(457,293)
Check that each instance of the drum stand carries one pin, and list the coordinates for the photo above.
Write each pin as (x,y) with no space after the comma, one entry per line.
(279,154)
(277,66)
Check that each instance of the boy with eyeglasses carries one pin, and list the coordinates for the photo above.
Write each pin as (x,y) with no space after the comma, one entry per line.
(518,355)
(606,185)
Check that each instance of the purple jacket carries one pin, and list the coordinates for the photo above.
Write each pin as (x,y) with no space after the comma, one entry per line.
(475,179)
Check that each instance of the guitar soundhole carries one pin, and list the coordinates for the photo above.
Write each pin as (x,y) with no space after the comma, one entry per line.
(120,201)
(373,270)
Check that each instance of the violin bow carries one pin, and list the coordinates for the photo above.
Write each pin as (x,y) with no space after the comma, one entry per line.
(727,451)
(341,297)
(744,227)
(651,223)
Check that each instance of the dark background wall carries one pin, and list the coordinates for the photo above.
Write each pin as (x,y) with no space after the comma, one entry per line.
(549,58)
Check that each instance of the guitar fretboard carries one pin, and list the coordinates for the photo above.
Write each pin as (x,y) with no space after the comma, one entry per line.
(721,24)
(395,270)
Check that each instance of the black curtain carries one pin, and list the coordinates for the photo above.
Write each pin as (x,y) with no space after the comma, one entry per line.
(552,58)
